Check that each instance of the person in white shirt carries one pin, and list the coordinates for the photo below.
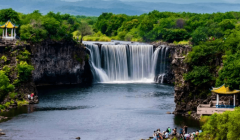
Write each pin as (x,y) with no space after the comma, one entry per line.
(166,134)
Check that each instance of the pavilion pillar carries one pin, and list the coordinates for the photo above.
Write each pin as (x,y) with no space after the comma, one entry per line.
(3,33)
(15,33)
(12,33)
(234,100)
(6,33)
(217,99)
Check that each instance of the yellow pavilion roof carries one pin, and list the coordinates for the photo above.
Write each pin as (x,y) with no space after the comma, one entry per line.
(8,24)
(224,90)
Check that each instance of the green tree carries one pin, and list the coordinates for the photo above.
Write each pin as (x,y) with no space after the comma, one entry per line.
(200,75)
(33,31)
(84,30)
(9,14)
(229,74)
(199,35)
(227,24)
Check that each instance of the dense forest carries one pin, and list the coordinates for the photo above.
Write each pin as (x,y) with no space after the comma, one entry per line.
(213,37)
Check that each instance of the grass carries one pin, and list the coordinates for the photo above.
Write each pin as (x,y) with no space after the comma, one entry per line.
(189,112)
(184,42)
(95,37)
(21,103)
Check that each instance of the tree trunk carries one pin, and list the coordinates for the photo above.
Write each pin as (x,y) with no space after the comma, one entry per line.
(81,39)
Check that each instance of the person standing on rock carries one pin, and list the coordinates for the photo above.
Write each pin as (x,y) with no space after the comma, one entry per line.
(32,96)
(185,129)
(29,97)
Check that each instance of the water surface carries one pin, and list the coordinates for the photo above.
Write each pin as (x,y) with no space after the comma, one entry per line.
(100,111)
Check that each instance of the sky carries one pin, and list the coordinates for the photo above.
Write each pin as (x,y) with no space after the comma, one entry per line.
(180,1)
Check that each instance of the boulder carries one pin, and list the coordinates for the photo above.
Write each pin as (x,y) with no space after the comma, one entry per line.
(2,133)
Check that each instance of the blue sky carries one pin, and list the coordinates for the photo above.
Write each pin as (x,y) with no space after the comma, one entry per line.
(183,1)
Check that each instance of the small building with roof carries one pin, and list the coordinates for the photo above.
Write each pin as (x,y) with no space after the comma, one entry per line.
(219,106)
(9,25)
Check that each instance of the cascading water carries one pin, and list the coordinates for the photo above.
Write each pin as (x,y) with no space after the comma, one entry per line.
(95,62)
(159,60)
(127,63)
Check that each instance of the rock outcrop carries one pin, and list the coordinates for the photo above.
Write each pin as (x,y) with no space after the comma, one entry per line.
(13,50)
(59,63)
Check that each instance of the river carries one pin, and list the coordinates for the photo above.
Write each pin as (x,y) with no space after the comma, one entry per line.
(129,111)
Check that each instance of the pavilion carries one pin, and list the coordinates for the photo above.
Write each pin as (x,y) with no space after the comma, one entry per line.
(5,27)
(218,106)
(225,91)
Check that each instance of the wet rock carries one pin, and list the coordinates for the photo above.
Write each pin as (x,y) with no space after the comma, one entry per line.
(78,138)
(2,133)
(169,113)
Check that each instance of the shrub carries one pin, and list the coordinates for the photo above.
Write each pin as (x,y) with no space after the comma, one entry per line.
(12,95)
(220,126)
(24,55)
(24,70)
(4,58)
(21,103)
(6,69)
(199,75)
(5,85)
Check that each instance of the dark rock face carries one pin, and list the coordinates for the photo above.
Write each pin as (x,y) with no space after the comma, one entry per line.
(59,63)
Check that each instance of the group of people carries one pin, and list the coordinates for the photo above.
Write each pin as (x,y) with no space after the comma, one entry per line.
(30,97)
(183,134)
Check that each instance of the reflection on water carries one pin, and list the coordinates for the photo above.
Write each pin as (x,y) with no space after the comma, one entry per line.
(100,111)
(180,121)
(17,111)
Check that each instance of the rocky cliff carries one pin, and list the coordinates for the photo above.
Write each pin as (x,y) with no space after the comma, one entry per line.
(59,63)
(184,100)
(14,52)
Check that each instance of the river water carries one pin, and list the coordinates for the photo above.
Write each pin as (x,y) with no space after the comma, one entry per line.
(129,111)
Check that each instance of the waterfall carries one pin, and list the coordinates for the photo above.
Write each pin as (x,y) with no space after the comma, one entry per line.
(95,63)
(127,63)
(160,59)
(115,62)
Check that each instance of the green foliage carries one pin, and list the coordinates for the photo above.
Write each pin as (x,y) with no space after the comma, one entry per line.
(5,85)
(204,119)
(199,35)
(24,55)
(199,75)
(12,95)
(7,104)
(24,71)
(9,14)
(4,58)
(220,126)
(21,103)
(84,30)
(227,24)
(229,74)
(6,69)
